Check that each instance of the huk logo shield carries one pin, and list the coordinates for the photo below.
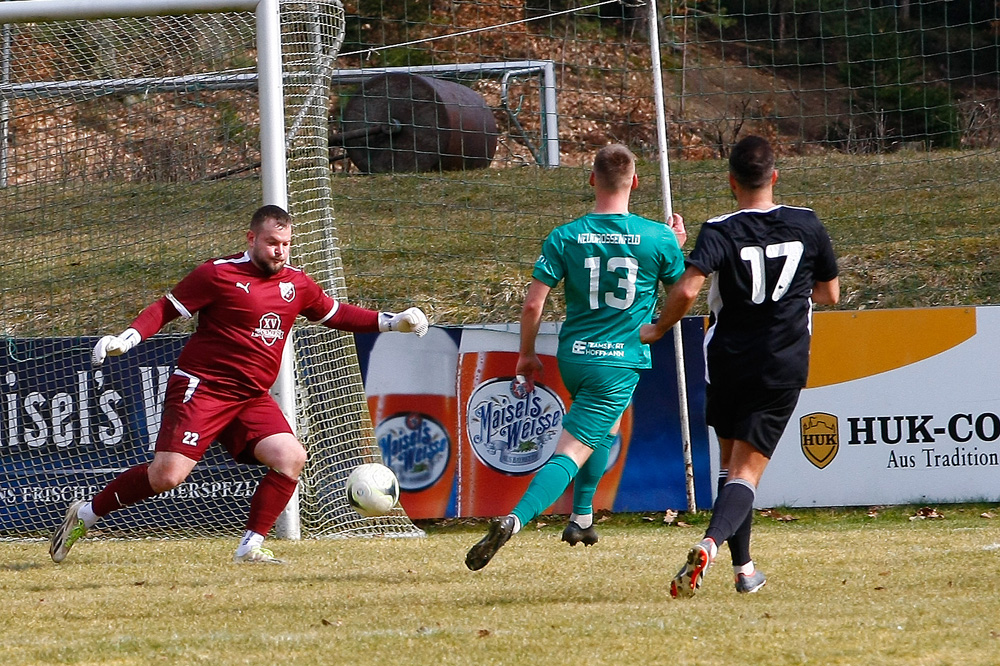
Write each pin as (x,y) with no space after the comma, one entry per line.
(287,291)
(820,437)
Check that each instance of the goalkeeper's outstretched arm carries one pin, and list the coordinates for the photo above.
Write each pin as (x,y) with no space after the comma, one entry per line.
(149,321)
(347,317)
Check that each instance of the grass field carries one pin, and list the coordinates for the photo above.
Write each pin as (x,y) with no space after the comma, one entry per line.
(844,587)
(461,244)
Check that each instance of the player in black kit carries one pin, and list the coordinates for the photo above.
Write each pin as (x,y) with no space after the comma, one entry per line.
(769,264)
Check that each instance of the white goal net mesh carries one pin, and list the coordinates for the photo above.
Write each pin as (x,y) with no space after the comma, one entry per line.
(129,153)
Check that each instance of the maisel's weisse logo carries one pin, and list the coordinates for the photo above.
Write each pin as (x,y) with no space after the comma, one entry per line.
(510,430)
(820,438)
(416,447)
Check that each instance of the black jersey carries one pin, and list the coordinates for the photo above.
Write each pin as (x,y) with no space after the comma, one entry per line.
(764,264)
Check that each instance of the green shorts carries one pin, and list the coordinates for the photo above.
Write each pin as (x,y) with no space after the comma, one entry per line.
(600,395)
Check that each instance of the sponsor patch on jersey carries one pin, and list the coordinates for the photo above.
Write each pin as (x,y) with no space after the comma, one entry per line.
(287,291)
(588,238)
(269,329)
(599,349)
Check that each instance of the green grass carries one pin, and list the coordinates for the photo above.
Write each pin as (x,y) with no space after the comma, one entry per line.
(843,588)
(910,230)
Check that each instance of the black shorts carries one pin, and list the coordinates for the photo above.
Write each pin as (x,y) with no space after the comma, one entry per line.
(755,415)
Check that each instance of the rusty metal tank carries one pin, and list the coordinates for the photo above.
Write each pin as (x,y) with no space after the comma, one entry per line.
(407,122)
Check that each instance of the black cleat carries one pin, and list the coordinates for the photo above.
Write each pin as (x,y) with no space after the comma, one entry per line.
(500,532)
(574,534)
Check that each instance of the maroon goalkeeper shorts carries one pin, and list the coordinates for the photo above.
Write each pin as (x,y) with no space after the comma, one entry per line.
(194,416)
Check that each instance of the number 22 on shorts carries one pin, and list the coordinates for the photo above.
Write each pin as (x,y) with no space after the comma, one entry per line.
(190,438)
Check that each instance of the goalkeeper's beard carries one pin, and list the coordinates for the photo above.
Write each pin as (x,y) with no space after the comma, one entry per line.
(272,267)
(268,266)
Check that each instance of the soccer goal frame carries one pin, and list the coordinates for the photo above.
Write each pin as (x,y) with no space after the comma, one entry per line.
(281,150)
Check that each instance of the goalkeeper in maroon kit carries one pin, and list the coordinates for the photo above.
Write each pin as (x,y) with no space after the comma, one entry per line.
(246,306)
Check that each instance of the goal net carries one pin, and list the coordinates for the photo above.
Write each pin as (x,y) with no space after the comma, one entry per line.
(130,151)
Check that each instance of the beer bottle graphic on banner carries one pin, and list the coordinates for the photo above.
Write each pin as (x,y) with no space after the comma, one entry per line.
(410,387)
(507,434)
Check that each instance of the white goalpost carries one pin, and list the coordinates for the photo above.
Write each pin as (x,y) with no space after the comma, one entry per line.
(668,210)
(136,103)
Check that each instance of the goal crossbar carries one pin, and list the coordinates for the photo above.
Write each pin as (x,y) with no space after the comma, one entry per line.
(545,69)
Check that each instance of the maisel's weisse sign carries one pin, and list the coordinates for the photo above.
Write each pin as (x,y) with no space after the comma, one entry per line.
(465,439)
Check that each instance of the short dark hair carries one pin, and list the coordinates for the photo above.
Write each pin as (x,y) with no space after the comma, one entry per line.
(614,166)
(752,162)
(269,212)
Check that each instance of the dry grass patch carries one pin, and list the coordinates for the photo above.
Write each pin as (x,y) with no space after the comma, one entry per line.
(841,590)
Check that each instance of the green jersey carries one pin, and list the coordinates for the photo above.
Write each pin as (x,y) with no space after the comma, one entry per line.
(610,264)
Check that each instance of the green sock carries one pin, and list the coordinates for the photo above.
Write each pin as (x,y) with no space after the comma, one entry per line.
(549,483)
(585,483)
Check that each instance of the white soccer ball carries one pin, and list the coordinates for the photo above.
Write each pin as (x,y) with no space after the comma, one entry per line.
(372,489)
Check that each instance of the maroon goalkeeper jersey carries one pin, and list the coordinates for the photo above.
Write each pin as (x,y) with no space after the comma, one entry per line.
(244,317)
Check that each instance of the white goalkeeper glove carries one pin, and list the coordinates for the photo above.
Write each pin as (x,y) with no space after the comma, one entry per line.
(115,345)
(411,320)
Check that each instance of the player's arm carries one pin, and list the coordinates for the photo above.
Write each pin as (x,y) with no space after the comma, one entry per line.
(321,308)
(680,298)
(529,366)
(188,296)
(826,293)
(347,317)
(548,271)
(149,321)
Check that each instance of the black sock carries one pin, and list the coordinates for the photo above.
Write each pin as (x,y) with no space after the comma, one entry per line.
(734,504)
(739,543)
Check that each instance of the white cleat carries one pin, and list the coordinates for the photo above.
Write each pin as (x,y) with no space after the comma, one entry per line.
(689,578)
(257,555)
(69,531)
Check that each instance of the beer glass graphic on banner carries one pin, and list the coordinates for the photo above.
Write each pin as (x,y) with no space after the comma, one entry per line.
(410,387)
(507,434)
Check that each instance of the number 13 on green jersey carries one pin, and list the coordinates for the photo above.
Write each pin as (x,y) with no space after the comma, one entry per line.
(610,265)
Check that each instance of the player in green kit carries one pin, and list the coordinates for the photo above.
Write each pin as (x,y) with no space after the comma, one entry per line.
(610,262)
